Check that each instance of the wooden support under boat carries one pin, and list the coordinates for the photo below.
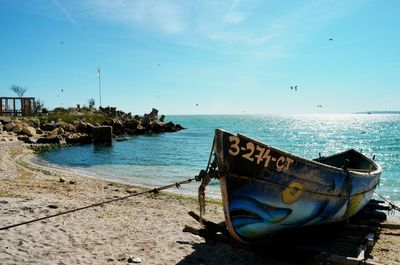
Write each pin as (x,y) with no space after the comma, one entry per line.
(344,243)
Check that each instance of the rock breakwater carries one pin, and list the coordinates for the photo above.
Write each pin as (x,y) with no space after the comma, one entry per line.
(75,126)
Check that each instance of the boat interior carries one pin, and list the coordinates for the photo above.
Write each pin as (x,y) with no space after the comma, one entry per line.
(350,159)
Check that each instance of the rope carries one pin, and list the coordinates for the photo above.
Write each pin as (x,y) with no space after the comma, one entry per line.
(211,153)
(205,180)
(155,191)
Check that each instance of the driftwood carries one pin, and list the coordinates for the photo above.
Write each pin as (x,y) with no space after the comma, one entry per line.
(345,243)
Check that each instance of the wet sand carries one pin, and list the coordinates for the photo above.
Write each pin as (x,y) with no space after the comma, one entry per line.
(148,227)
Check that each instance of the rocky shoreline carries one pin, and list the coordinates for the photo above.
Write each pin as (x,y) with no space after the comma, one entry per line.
(41,130)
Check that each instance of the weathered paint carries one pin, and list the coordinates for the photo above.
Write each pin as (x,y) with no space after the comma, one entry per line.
(265,189)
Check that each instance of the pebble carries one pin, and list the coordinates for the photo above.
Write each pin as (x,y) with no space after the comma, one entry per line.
(183,242)
(62,179)
(132,259)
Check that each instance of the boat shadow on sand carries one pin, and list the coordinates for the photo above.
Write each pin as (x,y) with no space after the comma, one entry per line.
(347,242)
(214,252)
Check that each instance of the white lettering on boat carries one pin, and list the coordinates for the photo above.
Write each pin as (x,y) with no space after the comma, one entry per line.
(258,154)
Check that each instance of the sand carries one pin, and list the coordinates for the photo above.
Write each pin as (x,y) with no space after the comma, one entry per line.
(146,227)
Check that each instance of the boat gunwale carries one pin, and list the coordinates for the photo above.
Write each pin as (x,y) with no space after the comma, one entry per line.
(377,171)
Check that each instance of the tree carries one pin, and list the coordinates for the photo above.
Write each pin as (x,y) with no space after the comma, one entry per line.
(19,90)
(38,106)
(91,103)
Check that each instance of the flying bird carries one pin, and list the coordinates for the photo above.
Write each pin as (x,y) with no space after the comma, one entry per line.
(331,39)
(295,88)
(61,42)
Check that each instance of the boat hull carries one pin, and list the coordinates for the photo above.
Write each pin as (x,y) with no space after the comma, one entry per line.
(265,189)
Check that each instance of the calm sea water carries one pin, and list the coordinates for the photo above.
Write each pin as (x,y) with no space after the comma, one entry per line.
(161,159)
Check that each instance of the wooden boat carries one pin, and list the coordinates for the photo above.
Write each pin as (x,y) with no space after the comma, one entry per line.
(265,189)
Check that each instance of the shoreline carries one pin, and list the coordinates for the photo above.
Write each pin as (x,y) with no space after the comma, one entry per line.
(35,160)
(148,227)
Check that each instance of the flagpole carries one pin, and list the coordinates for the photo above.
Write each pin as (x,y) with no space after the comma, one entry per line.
(98,74)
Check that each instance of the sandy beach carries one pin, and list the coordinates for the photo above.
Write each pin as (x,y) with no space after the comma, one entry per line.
(146,227)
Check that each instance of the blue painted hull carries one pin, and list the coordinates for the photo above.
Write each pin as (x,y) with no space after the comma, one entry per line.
(265,189)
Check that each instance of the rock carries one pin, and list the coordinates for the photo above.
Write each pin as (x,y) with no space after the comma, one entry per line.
(162,118)
(30,131)
(118,127)
(26,139)
(154,113)
(78,138)
(17,128)
(1,127)
(9,126)
(67,127)
(179,127)
(5,120)
(132,259)
(140,129)
(170,127)
(62,179)
(121,139)
(60,130)
(32,140)
(84,127)
(131,124)
(49,126)
(33,122)
(52,139)
(145,121)
(130,132)
(157,123)
(121,257)
(56,131)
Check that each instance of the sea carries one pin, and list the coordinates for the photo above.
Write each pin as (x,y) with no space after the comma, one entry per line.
(160,159)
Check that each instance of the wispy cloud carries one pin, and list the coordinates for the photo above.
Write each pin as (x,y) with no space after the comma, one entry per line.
(68,16)
(235,15)
(263,26)
(166,16)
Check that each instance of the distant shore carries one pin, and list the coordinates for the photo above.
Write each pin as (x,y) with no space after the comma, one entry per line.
(147,227)
(378,112)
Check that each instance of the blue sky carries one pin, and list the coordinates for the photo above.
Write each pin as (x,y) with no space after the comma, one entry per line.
(204,57)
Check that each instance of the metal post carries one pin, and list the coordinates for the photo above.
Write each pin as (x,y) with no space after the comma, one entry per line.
(98,74)
(15,110)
